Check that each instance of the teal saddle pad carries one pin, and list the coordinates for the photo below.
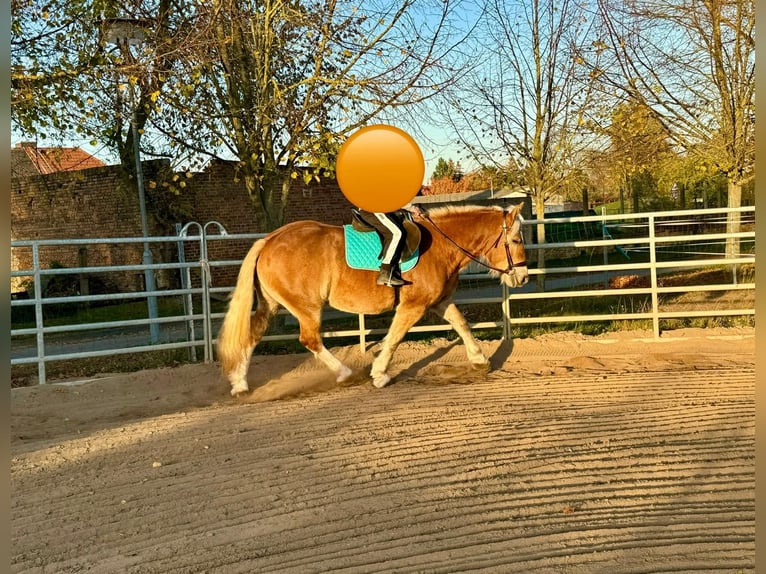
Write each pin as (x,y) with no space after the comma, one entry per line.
(363,248)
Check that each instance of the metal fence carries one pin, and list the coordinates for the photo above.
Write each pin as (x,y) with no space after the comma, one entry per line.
(599,251)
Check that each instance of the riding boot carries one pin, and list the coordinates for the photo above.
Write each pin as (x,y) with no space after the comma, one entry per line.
(391,276)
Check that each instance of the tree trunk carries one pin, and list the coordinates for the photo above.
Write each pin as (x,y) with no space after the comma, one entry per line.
(719,195)
(634,187)
(269,194)
(733,219)
(622,198)
(255,192)
(585,200)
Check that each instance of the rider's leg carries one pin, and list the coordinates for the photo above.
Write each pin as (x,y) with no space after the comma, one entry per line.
(393,243)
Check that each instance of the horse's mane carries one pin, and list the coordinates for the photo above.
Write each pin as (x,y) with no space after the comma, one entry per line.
(458,209)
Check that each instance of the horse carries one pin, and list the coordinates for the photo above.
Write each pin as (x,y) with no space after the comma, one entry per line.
(301,267)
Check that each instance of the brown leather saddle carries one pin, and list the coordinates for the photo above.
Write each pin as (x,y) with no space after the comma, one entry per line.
(411,232)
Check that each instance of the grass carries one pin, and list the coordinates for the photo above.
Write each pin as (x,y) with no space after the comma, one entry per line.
(26,375)
(123,310)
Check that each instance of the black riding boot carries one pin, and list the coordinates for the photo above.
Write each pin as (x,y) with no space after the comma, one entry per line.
(391,276)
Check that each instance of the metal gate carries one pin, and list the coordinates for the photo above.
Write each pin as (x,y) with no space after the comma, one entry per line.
(39,339)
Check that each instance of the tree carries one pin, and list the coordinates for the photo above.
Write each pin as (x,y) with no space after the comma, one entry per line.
(638,146)
(494,177)
(68,82)
(444,168)
(448,177)
(274,84)
(291,81)
(526,102)
(71,82)
(692,64)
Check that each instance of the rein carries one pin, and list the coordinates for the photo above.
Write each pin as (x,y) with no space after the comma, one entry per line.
(464,251)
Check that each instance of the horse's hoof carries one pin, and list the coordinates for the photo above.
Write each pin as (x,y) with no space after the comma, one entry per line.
(344,374)
(482,367)
(239,389)
(381,381)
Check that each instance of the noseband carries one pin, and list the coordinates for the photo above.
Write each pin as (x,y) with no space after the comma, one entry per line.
(507,244)
(503,234)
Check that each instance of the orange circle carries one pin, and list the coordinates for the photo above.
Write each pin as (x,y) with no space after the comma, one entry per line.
(380,168)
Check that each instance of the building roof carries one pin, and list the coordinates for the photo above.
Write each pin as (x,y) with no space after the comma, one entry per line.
(467,196)
(28,159)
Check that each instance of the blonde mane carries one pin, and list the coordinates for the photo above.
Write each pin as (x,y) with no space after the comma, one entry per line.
(460,209)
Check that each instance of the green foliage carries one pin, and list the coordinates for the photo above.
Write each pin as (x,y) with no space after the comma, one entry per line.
(276,85)
(444,168)
(691,66)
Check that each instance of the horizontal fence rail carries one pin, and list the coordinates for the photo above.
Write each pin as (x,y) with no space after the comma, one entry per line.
(620,257)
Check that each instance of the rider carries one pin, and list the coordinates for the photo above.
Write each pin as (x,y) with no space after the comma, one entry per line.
(391,227)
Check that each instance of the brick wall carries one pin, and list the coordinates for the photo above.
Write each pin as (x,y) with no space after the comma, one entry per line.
(218,196)
(95,203)
(73,205)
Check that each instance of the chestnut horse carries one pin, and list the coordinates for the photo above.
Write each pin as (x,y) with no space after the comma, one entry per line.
(301,267)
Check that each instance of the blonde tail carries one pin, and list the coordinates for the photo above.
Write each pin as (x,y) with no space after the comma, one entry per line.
(235,339)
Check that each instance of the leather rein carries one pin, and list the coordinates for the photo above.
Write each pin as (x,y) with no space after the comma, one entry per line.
(464,251)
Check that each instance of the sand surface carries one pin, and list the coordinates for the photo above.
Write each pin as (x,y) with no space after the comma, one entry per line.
(573,454)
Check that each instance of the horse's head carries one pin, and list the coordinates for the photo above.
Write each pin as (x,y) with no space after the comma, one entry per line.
(508,251)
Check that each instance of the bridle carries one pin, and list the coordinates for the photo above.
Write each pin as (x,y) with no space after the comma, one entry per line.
(503,234)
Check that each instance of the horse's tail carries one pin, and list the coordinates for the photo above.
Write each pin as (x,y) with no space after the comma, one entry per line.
(234,338)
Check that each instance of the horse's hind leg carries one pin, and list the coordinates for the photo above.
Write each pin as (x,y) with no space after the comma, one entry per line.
(449,311)
(259,322)
(310,338)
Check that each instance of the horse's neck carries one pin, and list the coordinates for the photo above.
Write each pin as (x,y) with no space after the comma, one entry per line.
(474,232)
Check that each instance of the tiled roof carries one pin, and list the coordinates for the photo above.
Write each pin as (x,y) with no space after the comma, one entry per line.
(485,194)
(28,159)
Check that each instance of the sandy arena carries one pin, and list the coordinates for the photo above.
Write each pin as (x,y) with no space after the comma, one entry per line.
(610,454)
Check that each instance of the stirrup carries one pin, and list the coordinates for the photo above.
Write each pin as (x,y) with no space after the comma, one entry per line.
(390,278)
(392,281)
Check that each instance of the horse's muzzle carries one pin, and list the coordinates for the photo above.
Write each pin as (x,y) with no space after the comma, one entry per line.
(516,277)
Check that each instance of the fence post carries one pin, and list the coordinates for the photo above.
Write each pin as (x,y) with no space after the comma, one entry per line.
(207,282)
(604,236)
(655,297)
(203,261)
(187,299)
(204,269)
(506,309)
(734,243)
(362,335)
(38,283)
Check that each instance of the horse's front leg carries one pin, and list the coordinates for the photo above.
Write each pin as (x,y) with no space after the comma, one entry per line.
(404,318)
(449,311)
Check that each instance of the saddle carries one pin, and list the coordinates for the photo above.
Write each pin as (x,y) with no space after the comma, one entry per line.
(411,233)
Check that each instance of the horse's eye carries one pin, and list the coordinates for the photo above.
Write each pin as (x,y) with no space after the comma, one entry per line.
(516,241)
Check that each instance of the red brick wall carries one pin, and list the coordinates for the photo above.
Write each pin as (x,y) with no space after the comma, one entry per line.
(93,204)
(219,197)
(75,205)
